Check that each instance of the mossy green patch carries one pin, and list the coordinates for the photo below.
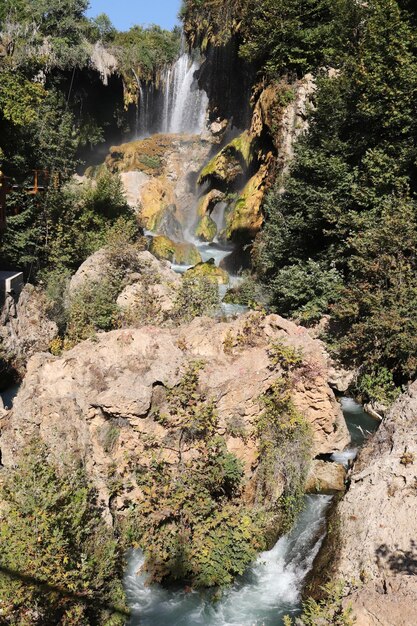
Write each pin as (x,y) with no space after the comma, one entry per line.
(246,216)
(206,229)
(210,270)
(182,253)
(231,162)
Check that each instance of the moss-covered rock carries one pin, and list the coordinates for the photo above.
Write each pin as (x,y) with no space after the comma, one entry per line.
(223,170)
(230,164)
(165,222)
(156,195)
(206,229)
(145,155)
(242,145)
(181,253)
(209,201)
(209,270)
(246,218)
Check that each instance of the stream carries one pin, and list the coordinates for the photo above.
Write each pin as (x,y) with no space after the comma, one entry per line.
(271,587)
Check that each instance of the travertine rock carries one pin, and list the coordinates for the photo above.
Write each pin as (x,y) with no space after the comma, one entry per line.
(326,477)
(119,379)
(24,325)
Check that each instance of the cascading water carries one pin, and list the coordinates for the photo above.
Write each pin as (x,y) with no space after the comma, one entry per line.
(270,589)
(178,106)
(185,105)
(272,586)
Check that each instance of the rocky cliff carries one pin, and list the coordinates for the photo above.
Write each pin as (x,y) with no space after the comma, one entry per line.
(25,327)
(378,523)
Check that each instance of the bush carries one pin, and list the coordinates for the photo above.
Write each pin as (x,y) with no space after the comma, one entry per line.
(326,612)
(377,385)
(93,308)
(305,290)
(56,289)
(247,293)
(197,296)
(59,563)
(284,453)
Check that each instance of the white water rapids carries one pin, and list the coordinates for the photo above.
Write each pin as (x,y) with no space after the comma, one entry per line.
(270,589)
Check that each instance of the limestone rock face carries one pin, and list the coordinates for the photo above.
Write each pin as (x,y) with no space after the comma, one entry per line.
(378,556)
(94,269)
(119,381)
(25,327)
(133,184)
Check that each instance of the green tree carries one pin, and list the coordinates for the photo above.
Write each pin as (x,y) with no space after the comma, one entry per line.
(349,200)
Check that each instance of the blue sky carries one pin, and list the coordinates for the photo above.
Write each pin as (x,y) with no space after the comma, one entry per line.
(126,13)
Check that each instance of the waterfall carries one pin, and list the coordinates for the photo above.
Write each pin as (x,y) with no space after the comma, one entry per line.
(180,106)
(185,105)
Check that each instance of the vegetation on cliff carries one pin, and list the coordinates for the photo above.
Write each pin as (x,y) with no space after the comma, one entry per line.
(346,221)
(193,522)
(50,120)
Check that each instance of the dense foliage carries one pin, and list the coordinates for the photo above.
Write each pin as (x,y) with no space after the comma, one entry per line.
(192,522)
(50,120)
(330,611)
(342,238)
(59,562)
(146,51)
(278,36)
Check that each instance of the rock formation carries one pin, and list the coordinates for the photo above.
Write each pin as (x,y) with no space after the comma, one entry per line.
(159,172)
(378,523)
(25,327)
(98,403)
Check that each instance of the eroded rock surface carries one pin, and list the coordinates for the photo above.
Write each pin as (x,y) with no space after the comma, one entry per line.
(98,402)
(378,557)
(25,327)
(160,171)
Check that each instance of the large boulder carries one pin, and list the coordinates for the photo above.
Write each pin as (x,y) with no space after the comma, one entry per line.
(326,477)
(99,403)
(209,270)
(377,555)
(99,266)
